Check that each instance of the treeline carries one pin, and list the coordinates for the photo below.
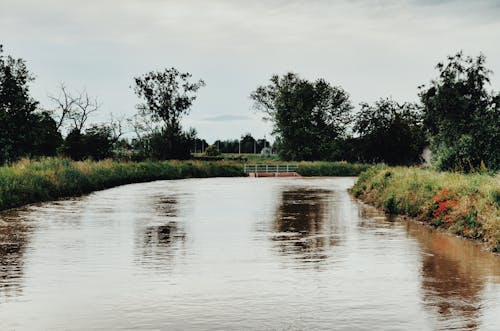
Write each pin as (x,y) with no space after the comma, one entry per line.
(457,116)
(27,130)
(247,144)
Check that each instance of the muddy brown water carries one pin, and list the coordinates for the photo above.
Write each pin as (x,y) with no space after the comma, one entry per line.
(233,254)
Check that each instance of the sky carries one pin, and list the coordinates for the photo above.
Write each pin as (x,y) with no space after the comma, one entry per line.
(372,48)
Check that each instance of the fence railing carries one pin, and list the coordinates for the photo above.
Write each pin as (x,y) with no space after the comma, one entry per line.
(256,168)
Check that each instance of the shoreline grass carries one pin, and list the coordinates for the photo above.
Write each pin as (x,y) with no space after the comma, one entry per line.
(29,181)
(467,205)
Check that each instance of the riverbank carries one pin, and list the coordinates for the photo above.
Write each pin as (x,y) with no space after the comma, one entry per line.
(29,181)
(467,205)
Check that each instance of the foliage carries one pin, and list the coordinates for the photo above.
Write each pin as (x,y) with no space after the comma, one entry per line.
(389,132)
(30,181)
(166,144)
(308,117)
(321,168)
(23,130)
(465,204)
(462,115)
(212,151)
(95,143)
(168,96)
(246,145)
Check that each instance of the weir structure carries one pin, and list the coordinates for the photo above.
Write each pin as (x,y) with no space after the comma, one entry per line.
(271,170)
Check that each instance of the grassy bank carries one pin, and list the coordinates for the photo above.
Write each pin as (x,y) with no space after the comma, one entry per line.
(466,205)
(49,179)
(318,168)
(30,181)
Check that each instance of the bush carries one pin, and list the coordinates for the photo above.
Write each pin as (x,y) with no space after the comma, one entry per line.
(212,151)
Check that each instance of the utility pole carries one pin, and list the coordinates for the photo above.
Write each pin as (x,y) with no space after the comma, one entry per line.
(255,146)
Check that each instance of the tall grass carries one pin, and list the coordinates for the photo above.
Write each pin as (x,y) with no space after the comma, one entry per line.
(465,204)
(319,168)
(30,181)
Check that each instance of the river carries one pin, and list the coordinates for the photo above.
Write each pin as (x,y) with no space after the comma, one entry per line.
(237,254)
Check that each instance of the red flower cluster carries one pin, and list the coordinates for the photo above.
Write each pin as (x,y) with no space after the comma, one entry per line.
(445,202)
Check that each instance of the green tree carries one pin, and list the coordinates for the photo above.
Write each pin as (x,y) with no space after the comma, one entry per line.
(389,132)
(212,151)
(168,95)
(23,130)
(461,115)
(310,118)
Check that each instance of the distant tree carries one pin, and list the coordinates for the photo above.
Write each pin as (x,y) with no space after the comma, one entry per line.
(309,117)
(389,132)
(227,146)
(46,136)
(212,151)
(24,130)
(72,109)
(461,115)
(199,145)
(65,105)
(95,143)
(168,95)
(248,144)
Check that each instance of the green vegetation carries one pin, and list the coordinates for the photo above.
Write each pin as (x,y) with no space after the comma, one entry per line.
(311,169)
(310,118)
(254,158)
(462,115)
(28,181)
(467,205)
(52,178)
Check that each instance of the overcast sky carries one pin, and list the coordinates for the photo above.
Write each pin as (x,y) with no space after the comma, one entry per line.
(373,48)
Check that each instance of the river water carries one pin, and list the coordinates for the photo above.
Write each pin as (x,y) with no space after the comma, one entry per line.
(237,254)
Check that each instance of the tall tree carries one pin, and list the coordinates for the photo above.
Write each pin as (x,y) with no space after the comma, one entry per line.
(23,130)
(309,118)
(461,115)
(389,132)
(168,95)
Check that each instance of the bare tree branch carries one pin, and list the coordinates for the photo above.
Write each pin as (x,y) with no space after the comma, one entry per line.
(85,106)
(116,126)
(65,104)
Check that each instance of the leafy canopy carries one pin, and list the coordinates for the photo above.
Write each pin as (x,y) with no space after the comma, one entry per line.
(168,95)
(461,115)
(308,117)
(389,132)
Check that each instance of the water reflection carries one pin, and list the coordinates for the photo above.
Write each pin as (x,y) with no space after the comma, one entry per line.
(160,236)
(14,237)
(302,226)
(223,253)
(454,276)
